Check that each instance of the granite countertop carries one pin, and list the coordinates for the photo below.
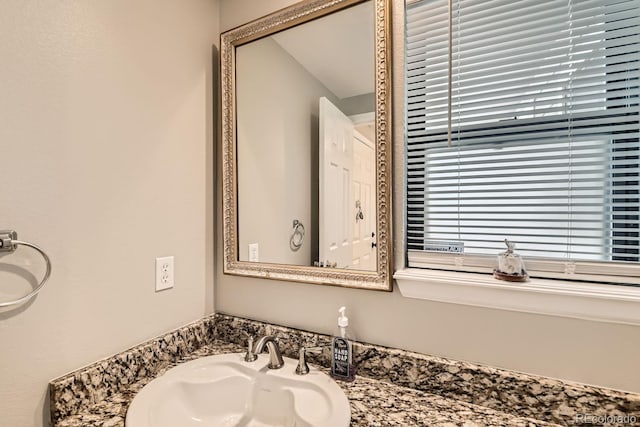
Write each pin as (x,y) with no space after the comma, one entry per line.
(394,387)
(373,403)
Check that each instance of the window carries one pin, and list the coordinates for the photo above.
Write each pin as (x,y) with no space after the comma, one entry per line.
(523,123)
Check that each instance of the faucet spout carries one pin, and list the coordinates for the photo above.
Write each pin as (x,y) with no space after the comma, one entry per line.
(275,356)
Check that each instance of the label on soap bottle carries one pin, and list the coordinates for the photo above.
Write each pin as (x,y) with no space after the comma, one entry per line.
(341,359)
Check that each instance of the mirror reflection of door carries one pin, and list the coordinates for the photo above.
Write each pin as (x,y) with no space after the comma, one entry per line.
(363,183)
(347,186)
(336,159)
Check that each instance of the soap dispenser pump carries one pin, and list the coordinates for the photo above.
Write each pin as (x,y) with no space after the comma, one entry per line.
(342,366)
(343,321)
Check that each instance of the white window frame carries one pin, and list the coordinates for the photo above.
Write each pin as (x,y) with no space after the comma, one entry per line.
(557,297)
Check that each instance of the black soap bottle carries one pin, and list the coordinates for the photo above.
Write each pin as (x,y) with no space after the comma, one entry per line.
(342,366)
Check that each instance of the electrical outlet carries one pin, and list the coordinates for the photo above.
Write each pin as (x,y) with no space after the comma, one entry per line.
(254,250)
(164,273)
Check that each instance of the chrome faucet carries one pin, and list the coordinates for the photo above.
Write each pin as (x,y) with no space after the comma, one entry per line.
(275,356)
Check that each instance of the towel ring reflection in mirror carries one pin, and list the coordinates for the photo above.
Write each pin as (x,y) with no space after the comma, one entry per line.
(297,237)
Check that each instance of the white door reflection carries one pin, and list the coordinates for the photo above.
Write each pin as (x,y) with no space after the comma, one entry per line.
(347,183)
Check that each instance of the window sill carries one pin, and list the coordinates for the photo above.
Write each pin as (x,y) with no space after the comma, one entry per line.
(581,300)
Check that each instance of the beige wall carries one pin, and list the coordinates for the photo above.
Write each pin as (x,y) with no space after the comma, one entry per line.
(106,162)
(590,352)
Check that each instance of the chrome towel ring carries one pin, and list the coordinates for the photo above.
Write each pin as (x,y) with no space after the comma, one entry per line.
(297,237)
(9,243)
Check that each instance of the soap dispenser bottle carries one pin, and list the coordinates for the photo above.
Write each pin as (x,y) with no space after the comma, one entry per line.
(342,366)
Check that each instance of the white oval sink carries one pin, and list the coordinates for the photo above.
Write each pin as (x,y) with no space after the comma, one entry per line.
(224,391)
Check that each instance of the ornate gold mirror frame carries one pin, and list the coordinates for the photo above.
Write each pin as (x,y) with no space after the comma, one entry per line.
(381,279)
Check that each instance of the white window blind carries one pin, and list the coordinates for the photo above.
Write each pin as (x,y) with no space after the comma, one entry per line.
(522,123)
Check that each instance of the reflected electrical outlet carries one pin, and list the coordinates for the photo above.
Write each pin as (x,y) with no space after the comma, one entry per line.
(254,252)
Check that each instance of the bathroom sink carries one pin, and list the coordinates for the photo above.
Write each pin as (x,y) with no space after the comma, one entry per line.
(224,391)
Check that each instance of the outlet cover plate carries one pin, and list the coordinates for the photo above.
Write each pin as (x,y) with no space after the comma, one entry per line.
(254,252)
(164,273)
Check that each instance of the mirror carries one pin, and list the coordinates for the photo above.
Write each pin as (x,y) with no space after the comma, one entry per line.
(306,145)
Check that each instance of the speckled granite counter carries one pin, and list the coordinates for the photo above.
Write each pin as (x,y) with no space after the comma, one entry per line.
(373,403)
(394,387)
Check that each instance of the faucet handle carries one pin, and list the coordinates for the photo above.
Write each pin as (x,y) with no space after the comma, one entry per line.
(303,367)
(250,356)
